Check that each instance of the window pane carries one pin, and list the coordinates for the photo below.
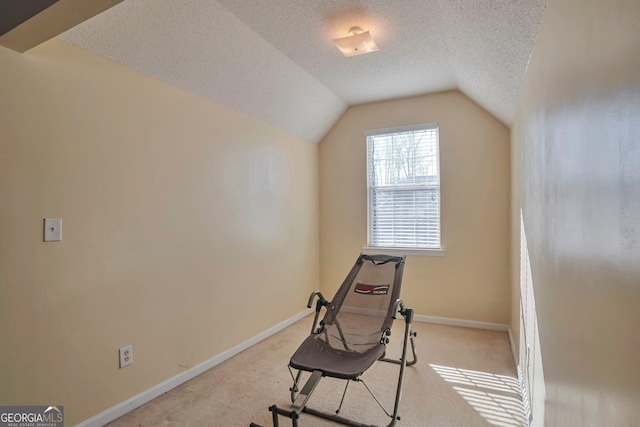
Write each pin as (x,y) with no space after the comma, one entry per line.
(405,218)
(404,193)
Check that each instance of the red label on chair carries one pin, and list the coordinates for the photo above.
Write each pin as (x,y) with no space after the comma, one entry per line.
(361,288)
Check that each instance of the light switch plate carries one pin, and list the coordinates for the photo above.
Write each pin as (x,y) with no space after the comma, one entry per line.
(52,229)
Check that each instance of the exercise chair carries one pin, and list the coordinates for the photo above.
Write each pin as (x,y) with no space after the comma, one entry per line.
(352,336)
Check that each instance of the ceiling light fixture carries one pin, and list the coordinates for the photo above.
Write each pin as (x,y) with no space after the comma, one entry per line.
(358,42)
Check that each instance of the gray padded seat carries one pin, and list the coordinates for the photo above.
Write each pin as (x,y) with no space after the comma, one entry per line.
(315,354)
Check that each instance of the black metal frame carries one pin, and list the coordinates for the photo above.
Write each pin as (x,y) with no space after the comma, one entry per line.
(300,399)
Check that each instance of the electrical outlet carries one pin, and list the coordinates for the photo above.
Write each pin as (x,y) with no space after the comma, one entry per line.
(126,356)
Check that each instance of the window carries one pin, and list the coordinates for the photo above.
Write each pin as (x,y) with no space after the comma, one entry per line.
(403,181)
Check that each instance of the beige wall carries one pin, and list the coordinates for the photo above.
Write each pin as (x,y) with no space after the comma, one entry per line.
(188,228)
(576,164)
(472,280)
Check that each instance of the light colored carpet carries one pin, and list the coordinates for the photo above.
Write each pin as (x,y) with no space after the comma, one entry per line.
(464,377)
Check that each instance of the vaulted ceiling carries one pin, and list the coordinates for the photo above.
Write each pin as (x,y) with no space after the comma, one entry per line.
(274,60)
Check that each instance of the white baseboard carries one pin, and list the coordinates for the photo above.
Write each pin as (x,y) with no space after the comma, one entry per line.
(138,400)
(449,321)
(512,344)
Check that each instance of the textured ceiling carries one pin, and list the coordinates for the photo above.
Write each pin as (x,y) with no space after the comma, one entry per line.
(275,60)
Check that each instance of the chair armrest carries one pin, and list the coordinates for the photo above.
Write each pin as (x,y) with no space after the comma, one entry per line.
(322,302)
(322,299)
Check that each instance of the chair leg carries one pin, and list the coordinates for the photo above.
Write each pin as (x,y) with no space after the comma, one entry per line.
(294,389)
(307,390)
(408,318)
(274,415)
(414,352)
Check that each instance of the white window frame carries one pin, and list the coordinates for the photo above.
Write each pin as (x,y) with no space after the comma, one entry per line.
(370,249)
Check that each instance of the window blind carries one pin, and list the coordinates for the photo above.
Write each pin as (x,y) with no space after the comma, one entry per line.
(404,187)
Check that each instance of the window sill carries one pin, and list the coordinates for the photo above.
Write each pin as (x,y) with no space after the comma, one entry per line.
(373,250)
